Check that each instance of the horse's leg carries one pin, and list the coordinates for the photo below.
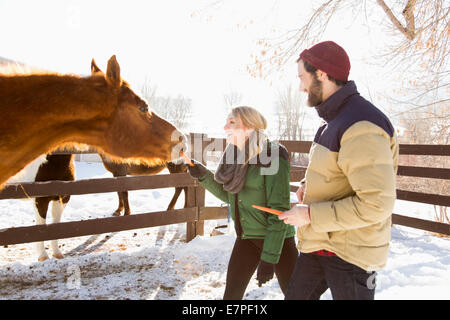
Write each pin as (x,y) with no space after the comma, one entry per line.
(41,206)
(175,198)
(126,204)
(119,171)
(121,205)
(177,168)
(57,210)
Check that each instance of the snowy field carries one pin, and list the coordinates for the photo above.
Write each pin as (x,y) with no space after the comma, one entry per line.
(157,263)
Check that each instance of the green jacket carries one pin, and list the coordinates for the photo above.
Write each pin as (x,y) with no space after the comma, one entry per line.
(269,190)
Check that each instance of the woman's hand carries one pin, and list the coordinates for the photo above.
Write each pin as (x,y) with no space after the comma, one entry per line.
(265,272)
(196,170)
(297,216)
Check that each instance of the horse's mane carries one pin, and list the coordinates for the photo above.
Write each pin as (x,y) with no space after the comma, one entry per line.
(15,69)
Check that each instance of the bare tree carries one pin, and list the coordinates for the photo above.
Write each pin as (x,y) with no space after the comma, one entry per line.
(415,55)
(174,109)
(148,90)
(418,50)
(290,112)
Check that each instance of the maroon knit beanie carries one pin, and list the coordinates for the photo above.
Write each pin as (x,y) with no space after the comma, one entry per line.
(329,57)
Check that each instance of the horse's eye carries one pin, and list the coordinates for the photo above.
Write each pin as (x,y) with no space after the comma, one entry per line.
(144,109)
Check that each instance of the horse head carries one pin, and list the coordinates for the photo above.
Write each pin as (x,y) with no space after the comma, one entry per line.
(135,131)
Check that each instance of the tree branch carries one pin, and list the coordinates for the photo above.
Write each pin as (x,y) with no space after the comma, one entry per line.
(408,12)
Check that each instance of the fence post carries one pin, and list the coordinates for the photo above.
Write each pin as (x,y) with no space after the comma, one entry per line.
(196,195)
(200,191)
(191,227)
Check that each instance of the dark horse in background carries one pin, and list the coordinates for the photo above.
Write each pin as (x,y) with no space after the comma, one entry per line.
(61,167)
(57,167)
(125,169)
(48,168)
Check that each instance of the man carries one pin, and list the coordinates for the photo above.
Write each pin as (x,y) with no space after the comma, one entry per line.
(348,193)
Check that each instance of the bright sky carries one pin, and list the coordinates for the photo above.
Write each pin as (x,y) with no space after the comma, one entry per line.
(176,44)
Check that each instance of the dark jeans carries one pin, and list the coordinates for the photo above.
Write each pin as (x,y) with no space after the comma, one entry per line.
(314,274)
(244,260)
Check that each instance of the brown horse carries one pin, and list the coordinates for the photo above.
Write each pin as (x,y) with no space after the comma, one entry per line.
(41,111)
(124,169)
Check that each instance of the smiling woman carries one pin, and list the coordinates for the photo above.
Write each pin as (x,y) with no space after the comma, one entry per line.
(242,180)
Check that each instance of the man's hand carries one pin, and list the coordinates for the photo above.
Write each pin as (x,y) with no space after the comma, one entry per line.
(297,216)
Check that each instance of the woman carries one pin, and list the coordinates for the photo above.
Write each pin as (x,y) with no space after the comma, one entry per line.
(253,170)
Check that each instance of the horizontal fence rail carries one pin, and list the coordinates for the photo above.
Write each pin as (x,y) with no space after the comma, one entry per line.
(435,199)
(95,226)
(196,211)
(422,224)
(48,188)
(72,229)
(424,150)
(424,172)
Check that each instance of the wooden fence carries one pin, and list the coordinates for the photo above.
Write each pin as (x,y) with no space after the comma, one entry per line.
(196,212)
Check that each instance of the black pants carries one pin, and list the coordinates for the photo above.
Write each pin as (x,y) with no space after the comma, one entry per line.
(314,274)
(245,259)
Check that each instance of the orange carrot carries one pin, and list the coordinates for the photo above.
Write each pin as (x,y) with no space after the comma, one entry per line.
(186,159)
(269,210)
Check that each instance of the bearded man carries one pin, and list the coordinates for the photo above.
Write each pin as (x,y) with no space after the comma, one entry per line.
(348,193)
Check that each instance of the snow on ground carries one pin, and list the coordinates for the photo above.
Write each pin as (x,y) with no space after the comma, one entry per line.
(157,263)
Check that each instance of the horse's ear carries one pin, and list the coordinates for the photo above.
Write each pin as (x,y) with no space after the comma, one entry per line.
(94,67)
(113,73)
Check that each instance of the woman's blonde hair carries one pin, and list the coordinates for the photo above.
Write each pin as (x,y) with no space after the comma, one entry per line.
(252,119)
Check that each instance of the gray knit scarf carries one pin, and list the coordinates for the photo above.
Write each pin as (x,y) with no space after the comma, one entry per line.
(233,166)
